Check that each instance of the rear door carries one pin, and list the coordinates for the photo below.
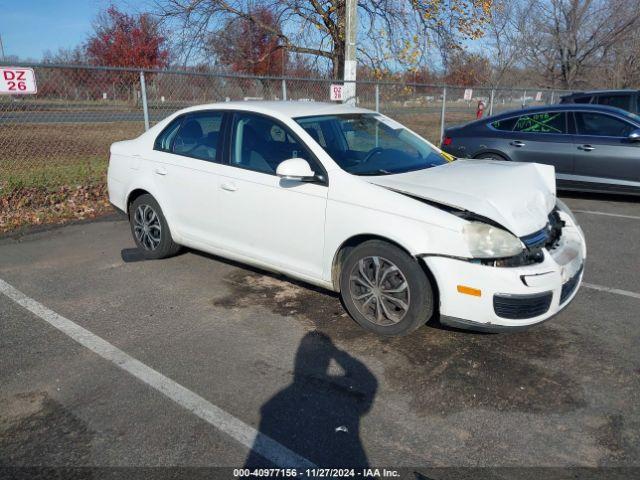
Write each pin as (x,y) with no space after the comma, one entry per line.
(186,161)
(603,151)
(541,138)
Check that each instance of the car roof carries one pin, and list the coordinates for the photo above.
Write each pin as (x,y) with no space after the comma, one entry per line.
(561,107)
(283,108)
(596,92)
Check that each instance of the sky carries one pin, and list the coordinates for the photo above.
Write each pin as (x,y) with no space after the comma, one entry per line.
(30,27)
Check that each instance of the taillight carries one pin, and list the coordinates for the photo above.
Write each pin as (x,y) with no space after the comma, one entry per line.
(447,141)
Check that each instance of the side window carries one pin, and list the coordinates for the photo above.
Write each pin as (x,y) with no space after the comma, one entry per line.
(199,136)
(363,135)
(601,125)
(163,141)
(261,144)
(546,122)
(585,99)
(505,125)
(619,101)
(314,129)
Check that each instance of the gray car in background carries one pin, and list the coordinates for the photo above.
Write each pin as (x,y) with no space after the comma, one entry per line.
(628,100)
(593,148)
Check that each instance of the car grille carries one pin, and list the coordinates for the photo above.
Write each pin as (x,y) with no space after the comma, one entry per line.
(569,286)
(521,306)
(536,239)
(546,237)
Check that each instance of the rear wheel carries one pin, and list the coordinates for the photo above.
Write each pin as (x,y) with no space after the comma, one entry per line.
(150,229)
(385,290)
(491,156)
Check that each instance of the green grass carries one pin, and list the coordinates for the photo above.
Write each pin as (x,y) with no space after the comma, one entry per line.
(50,176)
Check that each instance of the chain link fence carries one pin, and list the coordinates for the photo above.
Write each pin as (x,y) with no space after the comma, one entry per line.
(62,134)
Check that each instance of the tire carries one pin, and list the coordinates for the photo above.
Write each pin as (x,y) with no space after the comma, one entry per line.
(376,312)
(491,156)
(145,211)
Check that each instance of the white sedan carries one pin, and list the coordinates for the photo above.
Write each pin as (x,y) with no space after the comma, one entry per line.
(352,201)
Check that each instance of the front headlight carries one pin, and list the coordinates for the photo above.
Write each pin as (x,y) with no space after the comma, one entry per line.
(486,241)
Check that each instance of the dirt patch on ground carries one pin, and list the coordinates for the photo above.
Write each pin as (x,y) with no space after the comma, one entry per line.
(282,296)
(449,370)
(35,430)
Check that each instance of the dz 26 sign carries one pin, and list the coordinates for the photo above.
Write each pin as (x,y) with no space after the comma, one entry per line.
(17,81)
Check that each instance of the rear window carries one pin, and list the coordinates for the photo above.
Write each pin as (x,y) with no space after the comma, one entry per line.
(619,101)
(546,122)
(584,99)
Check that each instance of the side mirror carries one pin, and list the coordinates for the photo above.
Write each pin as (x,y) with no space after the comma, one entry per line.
(296,169)
(634,136)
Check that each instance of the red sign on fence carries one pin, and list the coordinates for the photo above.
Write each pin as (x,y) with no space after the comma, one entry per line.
(335,92)
(17,81)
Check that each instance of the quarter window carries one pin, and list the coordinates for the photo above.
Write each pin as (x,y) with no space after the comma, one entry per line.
(600,125)
(261,144)
(199,136)
(163,141)
(505,125)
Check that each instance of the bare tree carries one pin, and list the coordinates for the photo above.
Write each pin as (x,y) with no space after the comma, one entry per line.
(502,41)
(565,39)
(393,32)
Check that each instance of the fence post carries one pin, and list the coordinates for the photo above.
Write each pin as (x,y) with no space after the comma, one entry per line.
(143,92)
(442,112)
(524,98)
(284,89)
(551,101)
(491,102)
(377,97)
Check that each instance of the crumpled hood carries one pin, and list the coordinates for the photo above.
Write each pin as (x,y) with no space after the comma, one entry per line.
(518,196)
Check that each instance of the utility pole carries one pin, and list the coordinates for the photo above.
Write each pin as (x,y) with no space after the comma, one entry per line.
(1,50)
(350,63)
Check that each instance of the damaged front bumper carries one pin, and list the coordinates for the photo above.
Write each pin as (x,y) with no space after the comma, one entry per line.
(490,298)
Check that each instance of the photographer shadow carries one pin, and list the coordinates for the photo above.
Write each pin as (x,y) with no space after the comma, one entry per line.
(318,415)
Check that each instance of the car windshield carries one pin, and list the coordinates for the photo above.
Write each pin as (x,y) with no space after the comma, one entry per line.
(370,144)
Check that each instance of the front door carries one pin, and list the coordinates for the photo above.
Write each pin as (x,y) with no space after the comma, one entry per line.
(273,220)
(603,151)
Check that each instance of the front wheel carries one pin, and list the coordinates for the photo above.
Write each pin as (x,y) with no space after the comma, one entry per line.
(150,229)
(385,290)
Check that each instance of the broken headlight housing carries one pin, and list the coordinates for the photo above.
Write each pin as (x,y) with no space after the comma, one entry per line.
(488,241)
(561,206)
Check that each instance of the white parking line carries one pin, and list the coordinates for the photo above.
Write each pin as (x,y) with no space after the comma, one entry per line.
(617,291)
(248,436)
(619,215)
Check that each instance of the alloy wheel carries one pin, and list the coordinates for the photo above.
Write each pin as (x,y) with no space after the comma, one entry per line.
(147,227)
(379,290)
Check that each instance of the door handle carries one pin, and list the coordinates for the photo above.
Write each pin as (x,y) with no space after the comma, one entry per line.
(229,187)
(517,143)
(161,171)
(586,148)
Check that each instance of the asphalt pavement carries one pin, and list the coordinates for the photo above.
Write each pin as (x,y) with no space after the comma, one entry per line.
(107,360)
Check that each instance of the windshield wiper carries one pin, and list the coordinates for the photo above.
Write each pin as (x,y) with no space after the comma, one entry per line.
(380,171)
